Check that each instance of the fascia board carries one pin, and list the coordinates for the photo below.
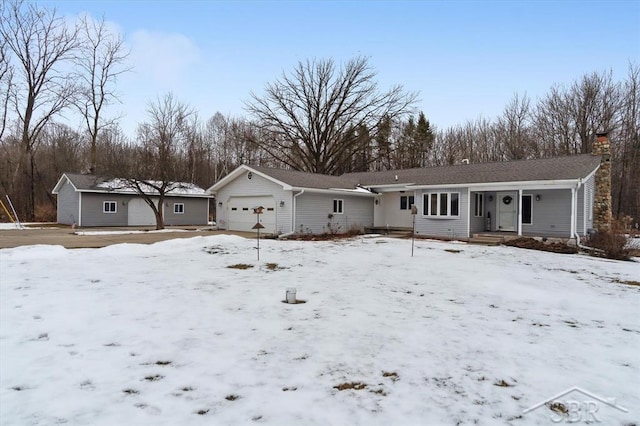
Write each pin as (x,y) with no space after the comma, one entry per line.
(334,191)
(238,171)
(56,188)
(499,186)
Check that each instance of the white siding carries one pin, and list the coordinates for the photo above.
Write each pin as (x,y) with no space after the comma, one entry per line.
(256,186)
(455,227)
(313,210)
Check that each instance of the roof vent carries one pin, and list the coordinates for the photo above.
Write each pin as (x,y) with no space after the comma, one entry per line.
(465,161)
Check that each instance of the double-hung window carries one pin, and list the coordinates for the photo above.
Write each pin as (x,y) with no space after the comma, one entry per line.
(338,206)
(109,207)
(406,201)
(178,208)
(441,204)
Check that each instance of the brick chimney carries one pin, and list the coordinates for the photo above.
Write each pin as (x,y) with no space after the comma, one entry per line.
(602,197)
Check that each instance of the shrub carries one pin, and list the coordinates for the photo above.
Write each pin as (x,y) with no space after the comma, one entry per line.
(611,244)
(45,213)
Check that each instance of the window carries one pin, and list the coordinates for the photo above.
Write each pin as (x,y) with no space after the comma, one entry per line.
(590,203)
(109,207)
(178,208)
(406,201)
(338,206)
(527,209)
(478,210)
(442,204)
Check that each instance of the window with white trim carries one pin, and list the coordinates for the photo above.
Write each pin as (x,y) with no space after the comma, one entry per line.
(527,209)
(406,201)
(110,207)
(478,209)
(441,204)
(338,206)
(590,203)
(178,208)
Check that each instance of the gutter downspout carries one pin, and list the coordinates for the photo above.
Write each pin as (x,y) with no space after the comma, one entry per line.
(293,217)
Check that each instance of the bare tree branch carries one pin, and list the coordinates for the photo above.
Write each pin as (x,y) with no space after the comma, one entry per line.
(100,61)
(313,112)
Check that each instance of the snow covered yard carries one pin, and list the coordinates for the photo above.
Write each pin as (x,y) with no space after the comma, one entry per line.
(170,333)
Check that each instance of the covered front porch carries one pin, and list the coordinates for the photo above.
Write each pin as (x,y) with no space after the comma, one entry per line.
(543,212)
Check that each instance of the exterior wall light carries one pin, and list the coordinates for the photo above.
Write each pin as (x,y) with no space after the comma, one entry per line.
(538,197)
(282,203)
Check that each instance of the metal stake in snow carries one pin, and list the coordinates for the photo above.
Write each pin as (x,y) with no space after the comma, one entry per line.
(414,212)
(258,226)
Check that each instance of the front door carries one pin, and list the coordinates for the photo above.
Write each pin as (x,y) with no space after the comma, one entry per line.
(507,211)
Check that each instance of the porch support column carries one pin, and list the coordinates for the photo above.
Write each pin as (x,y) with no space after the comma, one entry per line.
(519,212)
(573,213)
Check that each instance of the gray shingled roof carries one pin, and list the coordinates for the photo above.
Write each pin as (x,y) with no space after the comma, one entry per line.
(559,168)
(86,182)
(306,180)
(106,184)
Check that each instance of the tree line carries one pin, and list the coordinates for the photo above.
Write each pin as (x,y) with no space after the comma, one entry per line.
(319,117)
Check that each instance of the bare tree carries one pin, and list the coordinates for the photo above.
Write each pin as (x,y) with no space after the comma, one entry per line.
(513,128)
(40,42)
(312,111)
(159,166)
(626,149)
(6,81)
(100,61)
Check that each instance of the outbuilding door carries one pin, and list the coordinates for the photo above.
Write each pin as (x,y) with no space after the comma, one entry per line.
(139,213)
(507,211)
(242,218)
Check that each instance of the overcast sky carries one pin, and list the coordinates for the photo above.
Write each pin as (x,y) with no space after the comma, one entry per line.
(466,58)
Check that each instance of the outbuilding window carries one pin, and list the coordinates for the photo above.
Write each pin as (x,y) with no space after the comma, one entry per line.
(109,207)
(441,204)
(178,208)
(338,206)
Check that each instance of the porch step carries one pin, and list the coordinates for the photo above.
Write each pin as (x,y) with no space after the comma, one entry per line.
(486,239)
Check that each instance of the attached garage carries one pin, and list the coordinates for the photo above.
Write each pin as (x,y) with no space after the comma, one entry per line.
(242,218)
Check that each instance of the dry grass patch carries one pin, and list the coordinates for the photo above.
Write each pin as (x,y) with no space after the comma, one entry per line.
(351,385)
(240,266)
(391,374)
(627,282)
(231,397)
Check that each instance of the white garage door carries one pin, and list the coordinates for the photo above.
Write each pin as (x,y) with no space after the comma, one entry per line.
(139,213)
(242,218)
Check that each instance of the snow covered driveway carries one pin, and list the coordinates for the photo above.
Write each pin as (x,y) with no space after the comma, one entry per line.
(170,333)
